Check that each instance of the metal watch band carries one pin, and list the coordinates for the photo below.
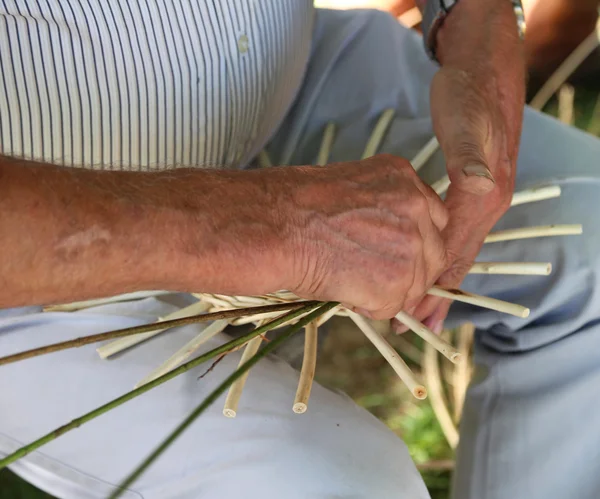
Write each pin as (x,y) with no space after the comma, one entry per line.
(436,11)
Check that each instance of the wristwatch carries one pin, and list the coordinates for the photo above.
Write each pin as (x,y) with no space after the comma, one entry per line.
(436,11)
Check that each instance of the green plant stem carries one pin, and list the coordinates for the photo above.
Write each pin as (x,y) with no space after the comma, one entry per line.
(129,331)
(23,451)
(272,345)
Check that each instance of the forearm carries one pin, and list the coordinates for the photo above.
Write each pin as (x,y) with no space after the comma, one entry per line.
(478,97)
(70,234)
(480,37)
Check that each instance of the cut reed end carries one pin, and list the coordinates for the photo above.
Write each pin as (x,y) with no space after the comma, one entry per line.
(456,358)
(420,392)
(229,413)
(300,408)
(102,353)
(525,313)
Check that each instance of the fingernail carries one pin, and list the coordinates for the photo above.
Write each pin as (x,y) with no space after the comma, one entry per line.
(478,170)
(434,324)
(398,327)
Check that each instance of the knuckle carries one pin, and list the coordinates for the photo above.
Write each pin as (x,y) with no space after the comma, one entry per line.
(503,201)
(420,205)
(412,242)
(394,162)
(415,206)
(444,216)
(470,151)
(385,313)
(456,273)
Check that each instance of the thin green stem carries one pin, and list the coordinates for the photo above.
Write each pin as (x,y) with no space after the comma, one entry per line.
(23,451)
(129,331)
(208,401)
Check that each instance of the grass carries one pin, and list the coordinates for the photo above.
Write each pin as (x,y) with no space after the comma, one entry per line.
(12,487)
(355,367)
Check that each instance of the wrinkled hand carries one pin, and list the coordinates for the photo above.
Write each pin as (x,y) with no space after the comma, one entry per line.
(368,234)
(477,101)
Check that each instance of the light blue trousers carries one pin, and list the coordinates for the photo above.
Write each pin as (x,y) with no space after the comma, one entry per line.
(529,428)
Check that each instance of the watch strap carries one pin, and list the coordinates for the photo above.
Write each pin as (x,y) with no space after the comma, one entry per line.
(436,11)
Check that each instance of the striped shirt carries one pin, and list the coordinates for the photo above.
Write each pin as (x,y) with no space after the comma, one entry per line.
(148,84)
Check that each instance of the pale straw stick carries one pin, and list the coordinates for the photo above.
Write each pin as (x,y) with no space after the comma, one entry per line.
(530,232)
(566,69)
(116,346)
(424,155)
(250,300)
(462,375)
(393,358)
(235,390)
(186,351)
(80,305)
(511,268)
(566,102)
(378,133)
(535,194)
(254,318)
(309,365)
(433,379)
(441,185)
(328,315)
(214,300)
(264,161)
(442,346)
(480,301)
(326,143)
(526,196)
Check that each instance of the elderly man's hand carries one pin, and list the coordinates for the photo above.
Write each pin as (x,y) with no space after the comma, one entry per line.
(368,233)
(477,101)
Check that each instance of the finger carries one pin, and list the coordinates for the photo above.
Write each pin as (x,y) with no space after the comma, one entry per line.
(428,268)
(435,321)
(462,124)
(398,327)
(434,255)
(437,209)
(425,309)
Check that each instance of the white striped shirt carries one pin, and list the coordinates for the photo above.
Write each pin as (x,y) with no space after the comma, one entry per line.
(148,84)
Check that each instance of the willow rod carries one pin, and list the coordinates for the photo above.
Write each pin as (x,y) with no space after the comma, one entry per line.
(94,338)
(77,422)
(208,401)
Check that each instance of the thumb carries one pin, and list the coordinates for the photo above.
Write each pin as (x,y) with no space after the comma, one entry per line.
(460,120)
(466,164)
